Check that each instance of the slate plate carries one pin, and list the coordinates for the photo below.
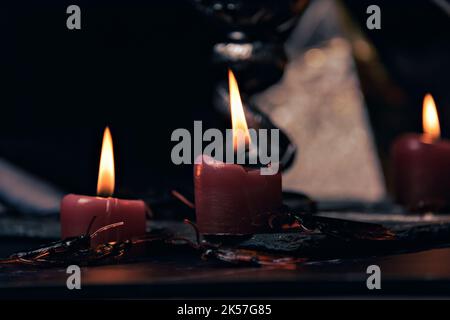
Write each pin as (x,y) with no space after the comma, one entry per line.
(413,233)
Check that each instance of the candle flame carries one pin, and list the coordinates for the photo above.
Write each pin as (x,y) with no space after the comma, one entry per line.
(105,183)
(430,119)
(238,122)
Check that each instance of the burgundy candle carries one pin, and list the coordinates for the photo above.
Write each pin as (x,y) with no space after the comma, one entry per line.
(421,165)
(231,199)
(122,219)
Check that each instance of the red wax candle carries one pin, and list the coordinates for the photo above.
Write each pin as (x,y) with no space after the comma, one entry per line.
(421,165)
(231,199)
(78,211)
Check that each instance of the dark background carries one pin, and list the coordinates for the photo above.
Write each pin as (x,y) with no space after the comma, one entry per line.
(143,68)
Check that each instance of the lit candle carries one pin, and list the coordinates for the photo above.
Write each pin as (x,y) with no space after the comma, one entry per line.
(86,214)
(421,165)
(232,199)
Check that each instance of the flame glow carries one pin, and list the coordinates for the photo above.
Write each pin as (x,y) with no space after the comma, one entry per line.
(105,183)
(430,119)
(239,124)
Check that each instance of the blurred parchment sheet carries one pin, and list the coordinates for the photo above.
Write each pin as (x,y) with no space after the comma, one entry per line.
(319,104)
(25,193)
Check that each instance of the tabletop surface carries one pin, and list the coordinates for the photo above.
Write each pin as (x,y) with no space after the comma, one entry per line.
(415,273)
(419,274)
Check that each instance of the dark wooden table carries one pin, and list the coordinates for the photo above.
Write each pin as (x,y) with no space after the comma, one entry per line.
(421,274)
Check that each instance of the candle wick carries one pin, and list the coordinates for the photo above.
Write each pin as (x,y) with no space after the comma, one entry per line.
(428,138)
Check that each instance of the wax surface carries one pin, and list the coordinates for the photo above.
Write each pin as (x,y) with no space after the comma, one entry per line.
(232,200)
(77,212)
(421,172)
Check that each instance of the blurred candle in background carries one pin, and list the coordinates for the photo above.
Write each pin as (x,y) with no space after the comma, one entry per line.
(421,165)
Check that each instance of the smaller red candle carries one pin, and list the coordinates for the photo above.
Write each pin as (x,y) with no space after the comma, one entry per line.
(122,219)
(421,165)
(231,199)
